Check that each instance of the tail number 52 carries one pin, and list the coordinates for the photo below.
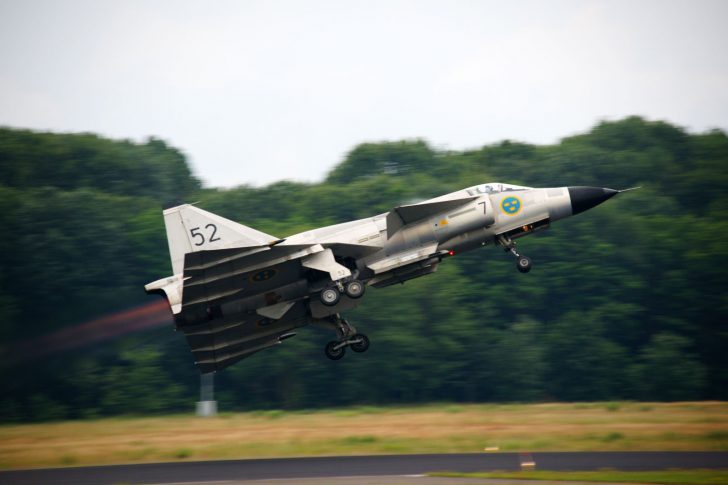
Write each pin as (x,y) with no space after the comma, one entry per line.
(199,237)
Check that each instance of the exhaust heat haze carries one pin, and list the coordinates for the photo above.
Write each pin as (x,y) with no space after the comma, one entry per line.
(114,325)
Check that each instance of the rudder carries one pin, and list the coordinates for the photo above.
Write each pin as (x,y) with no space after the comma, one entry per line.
(191,229)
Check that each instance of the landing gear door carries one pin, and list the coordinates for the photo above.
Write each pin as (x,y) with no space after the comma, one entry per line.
(485,206)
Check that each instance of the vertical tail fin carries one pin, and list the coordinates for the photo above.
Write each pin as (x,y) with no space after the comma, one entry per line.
(191,229)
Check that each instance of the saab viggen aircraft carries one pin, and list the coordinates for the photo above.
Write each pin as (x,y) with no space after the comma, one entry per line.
(236,291)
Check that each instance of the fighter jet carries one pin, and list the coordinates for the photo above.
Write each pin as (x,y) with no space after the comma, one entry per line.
(236,291)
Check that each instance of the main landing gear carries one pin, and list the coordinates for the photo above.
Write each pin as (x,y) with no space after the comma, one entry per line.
(331,295)
(523,263)
(348,337)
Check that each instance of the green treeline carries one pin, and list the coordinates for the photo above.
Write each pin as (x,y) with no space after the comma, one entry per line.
(626,301)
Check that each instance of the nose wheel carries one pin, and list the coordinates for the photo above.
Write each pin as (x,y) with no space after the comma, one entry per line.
(523,263)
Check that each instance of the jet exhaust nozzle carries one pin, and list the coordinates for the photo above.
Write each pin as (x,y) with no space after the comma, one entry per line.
(584,198)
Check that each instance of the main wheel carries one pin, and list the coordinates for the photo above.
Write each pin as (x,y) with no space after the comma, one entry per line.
(354,289)
(332,352)
(360,346)
(524,264)
(330,296)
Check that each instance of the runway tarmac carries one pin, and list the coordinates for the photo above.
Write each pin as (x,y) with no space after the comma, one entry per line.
(357,466)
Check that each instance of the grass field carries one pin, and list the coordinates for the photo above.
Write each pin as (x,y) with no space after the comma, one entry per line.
(370,430)
(667,477)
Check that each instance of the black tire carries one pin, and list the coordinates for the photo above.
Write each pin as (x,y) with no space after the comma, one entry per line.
(523,263)
(360,346)
(354,289)
(332,353)
(330,296)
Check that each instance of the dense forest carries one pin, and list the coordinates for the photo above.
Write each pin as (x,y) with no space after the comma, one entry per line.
(627,301)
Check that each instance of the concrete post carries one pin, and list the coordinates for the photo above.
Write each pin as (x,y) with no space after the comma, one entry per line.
(207,406)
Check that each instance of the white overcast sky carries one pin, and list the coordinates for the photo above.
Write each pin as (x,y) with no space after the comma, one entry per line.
(258,91)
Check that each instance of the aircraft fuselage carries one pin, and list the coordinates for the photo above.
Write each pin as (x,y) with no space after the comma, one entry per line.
(236,290)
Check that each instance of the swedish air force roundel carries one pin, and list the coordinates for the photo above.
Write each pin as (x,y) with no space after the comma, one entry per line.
(511,205)
(264,322)
(263,275)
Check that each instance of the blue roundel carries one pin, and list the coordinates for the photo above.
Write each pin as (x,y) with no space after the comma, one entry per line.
(511,205)
(264,322)
(263,275)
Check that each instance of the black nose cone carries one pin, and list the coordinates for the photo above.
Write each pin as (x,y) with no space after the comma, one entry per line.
(584,198)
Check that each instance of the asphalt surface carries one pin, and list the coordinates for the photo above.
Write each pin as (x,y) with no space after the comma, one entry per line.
(358,466)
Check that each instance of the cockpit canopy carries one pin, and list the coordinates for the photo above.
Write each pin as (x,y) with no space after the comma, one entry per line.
(495,188)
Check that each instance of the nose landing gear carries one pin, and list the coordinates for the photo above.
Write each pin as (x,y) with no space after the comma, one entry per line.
(523,263)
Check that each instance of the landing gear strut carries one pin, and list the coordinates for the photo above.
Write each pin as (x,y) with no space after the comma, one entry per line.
(523,263)
(347,337)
